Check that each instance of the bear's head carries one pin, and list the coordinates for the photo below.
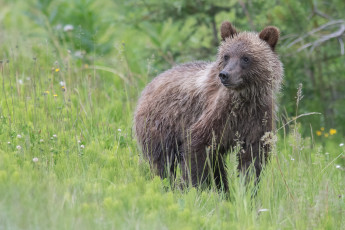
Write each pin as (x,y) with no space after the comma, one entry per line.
(247,59)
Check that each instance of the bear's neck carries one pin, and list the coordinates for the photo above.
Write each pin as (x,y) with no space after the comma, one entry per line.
(251,100)
(252,95)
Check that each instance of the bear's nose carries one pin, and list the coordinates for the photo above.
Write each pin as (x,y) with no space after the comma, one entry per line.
(223,76)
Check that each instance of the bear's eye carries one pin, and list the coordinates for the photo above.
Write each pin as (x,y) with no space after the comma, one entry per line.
(245,59)
(226,57)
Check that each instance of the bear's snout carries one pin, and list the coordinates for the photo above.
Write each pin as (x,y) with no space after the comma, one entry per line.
(224,77)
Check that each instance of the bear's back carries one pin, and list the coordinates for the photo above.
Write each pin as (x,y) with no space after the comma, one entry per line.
(176,84)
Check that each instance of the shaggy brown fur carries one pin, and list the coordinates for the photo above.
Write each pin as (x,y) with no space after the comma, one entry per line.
(194,113)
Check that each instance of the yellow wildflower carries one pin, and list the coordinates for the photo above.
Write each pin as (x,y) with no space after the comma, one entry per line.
(326,135)
(319,133)
(332,131)
(57,70)
(47,92)
(322,128)
(55,95)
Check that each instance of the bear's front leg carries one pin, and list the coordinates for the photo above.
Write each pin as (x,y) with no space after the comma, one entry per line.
(204,166)
(194,166)
(252,154)
(220,174)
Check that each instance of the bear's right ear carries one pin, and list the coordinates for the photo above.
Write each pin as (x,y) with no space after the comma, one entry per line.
(270,35)
(227,30)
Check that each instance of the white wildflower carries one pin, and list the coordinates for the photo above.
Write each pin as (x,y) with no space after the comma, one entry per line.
(269,138)
(62,83)
(20,81)
(292,158)
(41,140)
(19,147)
(35,159)
(54,135)
(68,27)
(19,136)
(78,54)
(341,144)
(263,210)
(119,130)
(9,143)
(338,166)
(82,146)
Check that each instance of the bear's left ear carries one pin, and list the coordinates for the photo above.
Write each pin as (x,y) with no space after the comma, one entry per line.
(227,30)
(270,35)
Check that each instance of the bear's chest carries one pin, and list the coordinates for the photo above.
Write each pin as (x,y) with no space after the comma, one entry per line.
(244,127)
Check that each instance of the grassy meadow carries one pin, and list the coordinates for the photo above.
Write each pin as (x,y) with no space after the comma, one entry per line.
(68,159)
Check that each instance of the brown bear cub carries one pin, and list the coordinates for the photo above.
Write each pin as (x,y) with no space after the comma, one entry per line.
(193,114)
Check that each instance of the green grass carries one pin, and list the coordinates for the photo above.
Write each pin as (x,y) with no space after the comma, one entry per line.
(90,174)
